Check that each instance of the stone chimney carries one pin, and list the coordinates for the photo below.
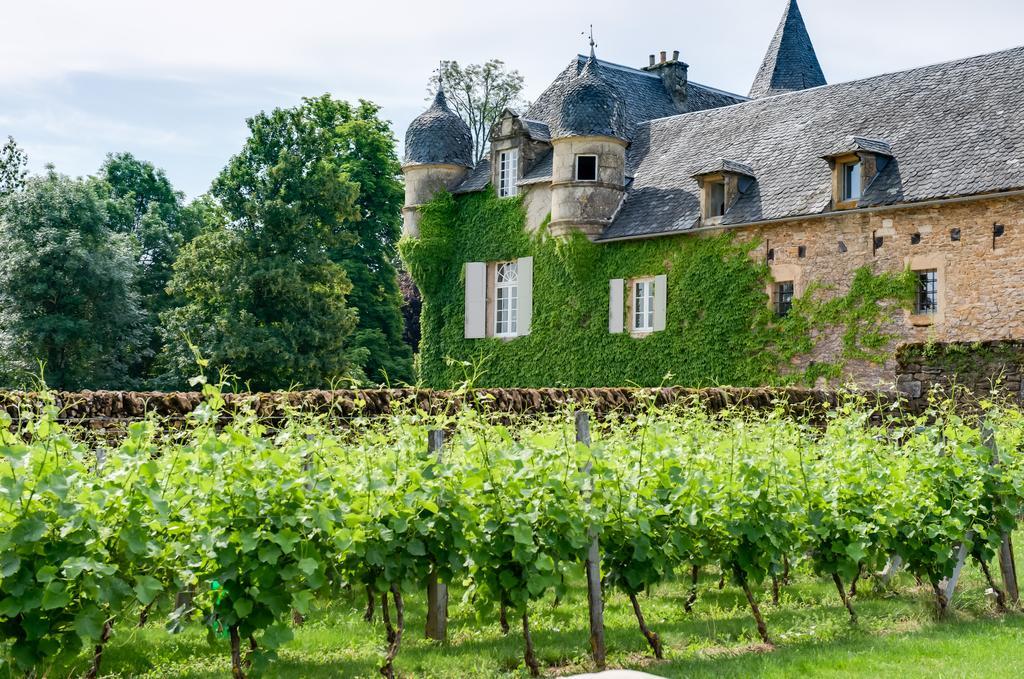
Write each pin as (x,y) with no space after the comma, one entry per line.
(674,76)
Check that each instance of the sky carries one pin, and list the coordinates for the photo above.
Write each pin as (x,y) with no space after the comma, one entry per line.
(173,82)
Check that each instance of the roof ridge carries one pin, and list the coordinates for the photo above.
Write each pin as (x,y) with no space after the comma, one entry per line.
(718,90)
(796,93)
(640,71)
(623,67)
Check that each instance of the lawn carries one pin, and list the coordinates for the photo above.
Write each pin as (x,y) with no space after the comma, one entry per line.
(897,635)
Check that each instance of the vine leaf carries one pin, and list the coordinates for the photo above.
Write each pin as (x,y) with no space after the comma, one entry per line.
(146,588)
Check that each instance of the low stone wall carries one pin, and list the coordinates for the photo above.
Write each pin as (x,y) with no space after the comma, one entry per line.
(979,368)
(103,409)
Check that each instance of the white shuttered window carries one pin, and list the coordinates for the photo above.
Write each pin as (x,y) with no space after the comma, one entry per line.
(647,305)
(499,298)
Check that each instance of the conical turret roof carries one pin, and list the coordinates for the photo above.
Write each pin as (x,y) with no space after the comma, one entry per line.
(791,63)
(591,106)
(439,136)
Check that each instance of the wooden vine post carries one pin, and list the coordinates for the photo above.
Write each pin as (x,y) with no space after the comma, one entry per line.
(594,599)
(437,592)
(961,558)
(1006,563)
(1007,566)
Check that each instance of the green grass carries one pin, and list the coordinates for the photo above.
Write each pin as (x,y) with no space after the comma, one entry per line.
(897,635)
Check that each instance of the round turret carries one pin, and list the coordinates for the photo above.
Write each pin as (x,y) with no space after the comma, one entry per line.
(438,136)
(438,156)
(591,107)
(589,155)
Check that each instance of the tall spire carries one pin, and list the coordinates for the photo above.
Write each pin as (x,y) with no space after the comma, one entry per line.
(791,63)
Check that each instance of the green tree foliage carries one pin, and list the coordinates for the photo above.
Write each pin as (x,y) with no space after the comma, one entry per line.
(262,295)
(153,211)
(479,93)
(13,167)
(147,207)
(361,144)
(301,288)
(67,287)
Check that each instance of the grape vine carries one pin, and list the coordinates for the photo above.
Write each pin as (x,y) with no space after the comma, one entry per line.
(260,521)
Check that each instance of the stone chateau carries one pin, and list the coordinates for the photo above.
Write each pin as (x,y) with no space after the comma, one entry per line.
(921,169)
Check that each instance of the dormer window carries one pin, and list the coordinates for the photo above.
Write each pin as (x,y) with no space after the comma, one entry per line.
(508,173)
(722,183)
(586,168)
(851,180)
(855,164)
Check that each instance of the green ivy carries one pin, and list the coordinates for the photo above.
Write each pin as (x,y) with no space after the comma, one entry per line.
(864,310)
(721,328)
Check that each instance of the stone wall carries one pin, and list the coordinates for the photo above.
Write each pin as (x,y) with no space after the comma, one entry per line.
(113,409)
(981,276)
(980,369)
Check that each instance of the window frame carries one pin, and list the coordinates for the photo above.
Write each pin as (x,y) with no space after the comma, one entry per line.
(635,312)
(508,173)
(782,297)
(511,288)
(847,171)
(710,204)
(580,156)
(927,289)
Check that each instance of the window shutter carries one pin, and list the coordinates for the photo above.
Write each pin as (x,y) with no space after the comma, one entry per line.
(476,300)
(660,295)
(525,269)
(615,305)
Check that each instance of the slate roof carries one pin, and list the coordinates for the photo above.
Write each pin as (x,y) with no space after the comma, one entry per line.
(955,129)
(644,97)
(541,170)
(725,165)
(438,135)
(538,130)
(791,63)
(591,105)
(853,144)
(477,179)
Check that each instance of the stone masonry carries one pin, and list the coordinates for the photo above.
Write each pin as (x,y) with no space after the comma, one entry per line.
(981,276)
(982,369)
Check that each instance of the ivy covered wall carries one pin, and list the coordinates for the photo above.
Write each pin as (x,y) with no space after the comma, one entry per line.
(719,327)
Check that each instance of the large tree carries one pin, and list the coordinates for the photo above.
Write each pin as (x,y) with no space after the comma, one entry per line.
(146,206)
(68,295)
(264,296)
(363,146)
(479,93)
